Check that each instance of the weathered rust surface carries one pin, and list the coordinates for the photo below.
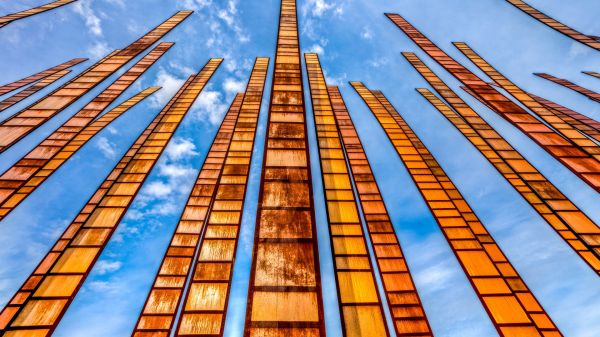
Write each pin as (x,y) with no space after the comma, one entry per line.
(5,89)
(5,20)
(594,96)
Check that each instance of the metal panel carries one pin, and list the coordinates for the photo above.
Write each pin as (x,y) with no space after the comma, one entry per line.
(539,110)
(588,40)
(172,276)
(38,76)
(45,296)
(510,304)
(402,298)
(5,20)
(285,284)
(592,73)
(18,97)
(207,295)
(582,235)
(594,96)
(30,118)
(565,151)
(358,296)
(23,177)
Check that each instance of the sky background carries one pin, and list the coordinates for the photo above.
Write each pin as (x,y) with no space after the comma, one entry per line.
(355,42)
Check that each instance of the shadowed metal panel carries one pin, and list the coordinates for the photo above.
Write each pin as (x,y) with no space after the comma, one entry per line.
(30,118)
(588,40)
(284,296)
(207,296)
(171,277)
(358,296)
(403,300)
(573,226)
(565,151)
(36,77)
(18,97)
(5,20)
(565,129)
(45,296)
(594,96)
(510,304)
(592,73)
(31,170)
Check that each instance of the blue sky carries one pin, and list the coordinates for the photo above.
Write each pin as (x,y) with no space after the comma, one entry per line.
(355,42)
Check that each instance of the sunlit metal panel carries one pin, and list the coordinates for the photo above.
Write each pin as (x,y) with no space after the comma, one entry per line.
(594,96)
(568,153)
(402,298)
(26,93)
(45,296)
(38,76)
(27,120)
(284,296)
(5,20)
(510,304)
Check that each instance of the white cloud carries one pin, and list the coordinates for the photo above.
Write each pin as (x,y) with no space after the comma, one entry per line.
(378,62)
(317,7)
(233,86)
(98,50)
(316,48)
(209,106)
(157,189)
(106,147)
(92,21)
(174,171)
(105,267)
(179,148)
(169,83)
(366,33)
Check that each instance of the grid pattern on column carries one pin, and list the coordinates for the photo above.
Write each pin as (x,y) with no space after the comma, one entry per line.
(510,304)
(36,77)
(568,84)
(358,296)
(579,231)
(28,119)
(206,298)
(38,306)
(18,97)
(565,129)
(5,20)
(158,314)
(552,23)
(22,173)
(402,297)
(592,73)
(565,151)
(30,182)
(579,121)
(284,296)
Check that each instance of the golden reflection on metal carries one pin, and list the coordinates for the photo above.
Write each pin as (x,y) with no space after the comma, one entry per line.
(5,20)
(568,153)
(570,223)
(40,303)
(403,300)
(31,170)
(159,311)
(594,96)
(588,40)
(284,297)
(510,304)
(18,97)
(550,118)
(581,122)
(38,76)
(30,118)
(358,296)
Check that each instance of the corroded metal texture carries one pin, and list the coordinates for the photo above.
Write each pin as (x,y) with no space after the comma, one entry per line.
(40,303)
(38,76)
(158,314)
(5,20)
(207,295)
(571,224)
(31,170)
(18,97)
(30,118)
(403,300)
(594,96)
(564,129)
(510,304)
(568,153)
(588,40)
(358,296)
(284,296)
(579,121)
